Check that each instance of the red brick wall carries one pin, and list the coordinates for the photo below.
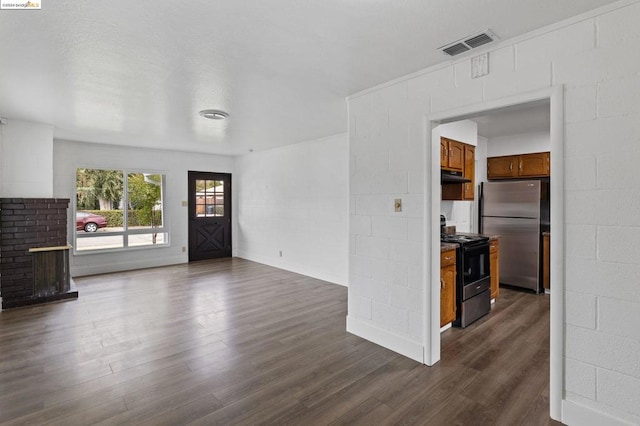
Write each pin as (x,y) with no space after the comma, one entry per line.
(27,223)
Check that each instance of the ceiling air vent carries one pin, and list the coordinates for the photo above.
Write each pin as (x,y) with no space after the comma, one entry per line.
(455,49)
(468,43)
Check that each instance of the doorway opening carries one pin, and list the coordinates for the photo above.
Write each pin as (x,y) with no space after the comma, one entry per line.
(209,215)
(554,99)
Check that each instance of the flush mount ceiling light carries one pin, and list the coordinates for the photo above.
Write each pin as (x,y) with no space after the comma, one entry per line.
(214,114)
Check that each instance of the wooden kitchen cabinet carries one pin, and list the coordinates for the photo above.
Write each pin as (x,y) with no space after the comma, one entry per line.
(451,154)
(469,172)
(447,287)
(534,165)
(494,267)
(519,166)
(462,191)
(502,167)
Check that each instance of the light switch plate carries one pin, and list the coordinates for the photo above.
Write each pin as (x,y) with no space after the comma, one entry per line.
(397,205)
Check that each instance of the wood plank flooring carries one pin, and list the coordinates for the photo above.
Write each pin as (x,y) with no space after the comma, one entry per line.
(236,342)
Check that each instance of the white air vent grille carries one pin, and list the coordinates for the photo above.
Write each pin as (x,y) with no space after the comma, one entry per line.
(468,43)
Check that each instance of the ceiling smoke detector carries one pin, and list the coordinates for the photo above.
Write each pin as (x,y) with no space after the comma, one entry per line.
(468,43)
(214,114)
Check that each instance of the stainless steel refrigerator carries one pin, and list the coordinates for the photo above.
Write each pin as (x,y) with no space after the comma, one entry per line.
(517,211)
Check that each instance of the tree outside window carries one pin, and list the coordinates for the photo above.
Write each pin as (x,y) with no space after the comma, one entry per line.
(108,216)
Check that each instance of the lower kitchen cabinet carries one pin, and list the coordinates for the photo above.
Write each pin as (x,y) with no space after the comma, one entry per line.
(494,266)
(447,287)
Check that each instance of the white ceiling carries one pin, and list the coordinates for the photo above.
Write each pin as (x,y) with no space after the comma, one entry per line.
(137,73)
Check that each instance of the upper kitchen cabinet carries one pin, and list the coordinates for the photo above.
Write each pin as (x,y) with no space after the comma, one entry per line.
(502,167)
(462,191)
(519,166)
(469,172)
(535,165)
(451,154)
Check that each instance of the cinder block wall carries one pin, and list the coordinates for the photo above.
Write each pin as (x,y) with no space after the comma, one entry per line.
(27,223)
(593,57)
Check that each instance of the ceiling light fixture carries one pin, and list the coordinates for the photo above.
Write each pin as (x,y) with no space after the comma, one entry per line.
(214,114)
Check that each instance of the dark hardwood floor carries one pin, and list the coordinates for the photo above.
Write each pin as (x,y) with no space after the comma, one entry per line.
(236,342)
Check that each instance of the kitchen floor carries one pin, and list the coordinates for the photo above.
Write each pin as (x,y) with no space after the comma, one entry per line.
(504,361)
(236,342)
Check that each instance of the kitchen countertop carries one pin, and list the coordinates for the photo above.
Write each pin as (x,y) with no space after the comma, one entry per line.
(491,236)
(447,246)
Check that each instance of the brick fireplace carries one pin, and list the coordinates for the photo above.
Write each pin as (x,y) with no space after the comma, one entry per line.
(34,253)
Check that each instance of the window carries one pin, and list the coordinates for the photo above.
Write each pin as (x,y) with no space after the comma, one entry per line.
(209,198)
(118,209)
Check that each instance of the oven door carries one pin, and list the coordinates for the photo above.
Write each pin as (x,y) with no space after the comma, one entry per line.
(475,262)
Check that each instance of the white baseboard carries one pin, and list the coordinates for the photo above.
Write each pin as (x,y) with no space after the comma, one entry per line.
(298,269)
(104,268)
(574,414)
(386,339)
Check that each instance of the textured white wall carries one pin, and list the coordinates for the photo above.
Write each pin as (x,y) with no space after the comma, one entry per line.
(518,144)
(591,58)
(68,156)
(26,150)
(464,131)
(294,200)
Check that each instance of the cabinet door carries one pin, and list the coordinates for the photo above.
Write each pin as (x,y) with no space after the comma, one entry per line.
(494,266)
(469,172)
(534,165)
(502,167)
(456,155)
(444,153)
(448,293)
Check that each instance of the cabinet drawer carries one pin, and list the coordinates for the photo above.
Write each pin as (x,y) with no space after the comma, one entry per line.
(447,258)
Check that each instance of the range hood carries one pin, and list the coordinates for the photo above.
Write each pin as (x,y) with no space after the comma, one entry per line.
(450,176)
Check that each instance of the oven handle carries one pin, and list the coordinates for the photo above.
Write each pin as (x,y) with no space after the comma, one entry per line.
(473,247)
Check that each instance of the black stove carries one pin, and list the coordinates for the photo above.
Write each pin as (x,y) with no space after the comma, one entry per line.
(473,279)
(462,239)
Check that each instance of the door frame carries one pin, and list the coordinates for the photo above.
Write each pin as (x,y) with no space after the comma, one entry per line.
(228,208)
(431,243)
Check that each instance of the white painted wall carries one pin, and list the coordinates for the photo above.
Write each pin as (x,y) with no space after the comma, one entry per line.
(590,56)
(463,131)
(481,159)
(294,200)
(26,150)
(518,144)
(69,156)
